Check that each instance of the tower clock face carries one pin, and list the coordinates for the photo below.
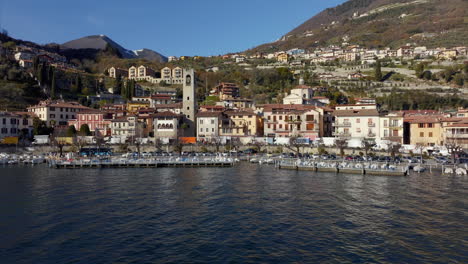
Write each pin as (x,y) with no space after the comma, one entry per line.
(188,79)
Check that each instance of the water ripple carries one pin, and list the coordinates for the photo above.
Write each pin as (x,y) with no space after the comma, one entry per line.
(246,214)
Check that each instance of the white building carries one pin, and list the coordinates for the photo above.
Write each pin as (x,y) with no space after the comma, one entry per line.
(56,112)
(358,123)
(208,125)
(391,127)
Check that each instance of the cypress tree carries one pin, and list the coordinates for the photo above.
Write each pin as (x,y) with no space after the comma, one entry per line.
(378,71)
(53,86)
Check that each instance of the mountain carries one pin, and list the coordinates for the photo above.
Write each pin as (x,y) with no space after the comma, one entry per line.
(381,23)
(102,42)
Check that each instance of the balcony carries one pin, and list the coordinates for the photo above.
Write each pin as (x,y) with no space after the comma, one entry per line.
(371,124)
(393,138)
(341,134)
(456,136)
(391,126)
(343,124)
(371,135)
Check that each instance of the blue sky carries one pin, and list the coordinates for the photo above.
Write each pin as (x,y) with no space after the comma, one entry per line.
(183,27)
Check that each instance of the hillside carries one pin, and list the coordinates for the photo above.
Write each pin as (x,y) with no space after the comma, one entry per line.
(102,42)
(381,23)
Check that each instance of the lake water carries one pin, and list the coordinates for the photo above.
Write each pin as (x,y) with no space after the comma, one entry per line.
(244,214)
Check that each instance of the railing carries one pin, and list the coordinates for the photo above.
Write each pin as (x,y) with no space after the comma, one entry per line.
(371,135)
(338,134)
(451,135)
(371,124)
(344,124)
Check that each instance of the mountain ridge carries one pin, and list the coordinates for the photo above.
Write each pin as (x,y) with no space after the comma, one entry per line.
(380,23)
(101,42)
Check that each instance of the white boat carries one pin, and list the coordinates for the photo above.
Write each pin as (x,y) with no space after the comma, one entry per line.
(448,171)
(461,171)
(419,168)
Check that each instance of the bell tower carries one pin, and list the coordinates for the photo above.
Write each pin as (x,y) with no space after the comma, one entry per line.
(189,104)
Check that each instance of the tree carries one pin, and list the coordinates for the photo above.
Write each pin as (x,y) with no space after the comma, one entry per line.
(378,71)
(419,70)
(367,144)
(458,79)
(84,130)
(341,144)
(294,144)
(393,148)
(178,145)
(453,148)
(78,85)
(71,131)
(427,75)
(58,139)
(40,127)
(216,142)
(118,85)
(258,145)
(53,86)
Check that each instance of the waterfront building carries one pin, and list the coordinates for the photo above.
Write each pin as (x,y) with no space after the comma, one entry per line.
(391,127)
(282,120)
(357,123)
(98,121)
(56,112)
(241,123)
(167,125)
(208,123)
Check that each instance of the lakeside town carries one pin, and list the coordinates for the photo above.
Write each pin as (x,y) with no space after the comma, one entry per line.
(142,106)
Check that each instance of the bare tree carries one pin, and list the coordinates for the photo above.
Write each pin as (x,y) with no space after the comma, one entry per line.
(178,145)
(453,148)
(258,145)
(216,142)
(367,144)
(158,144)
(295,145)
(393,148)
(341,144)
(58,139)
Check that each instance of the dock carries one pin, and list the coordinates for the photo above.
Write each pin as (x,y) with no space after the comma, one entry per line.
(336,167)
(143,163)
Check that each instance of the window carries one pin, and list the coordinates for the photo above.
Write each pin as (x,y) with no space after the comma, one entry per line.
(430,134)
(201,121)
(421,134)
(281,118)
(280,126)
(4,121)
(421,125)
(52,115)
(309,117)
(206,130)
(52,109)
(212,130)
(310,126)
(212,122)
(201,129)
(430,125)
(25,122)
(358,120)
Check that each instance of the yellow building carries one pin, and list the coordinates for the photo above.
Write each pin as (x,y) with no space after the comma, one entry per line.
(425,130)
(448,54)
(283,57)
(134,106)
(240,123)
